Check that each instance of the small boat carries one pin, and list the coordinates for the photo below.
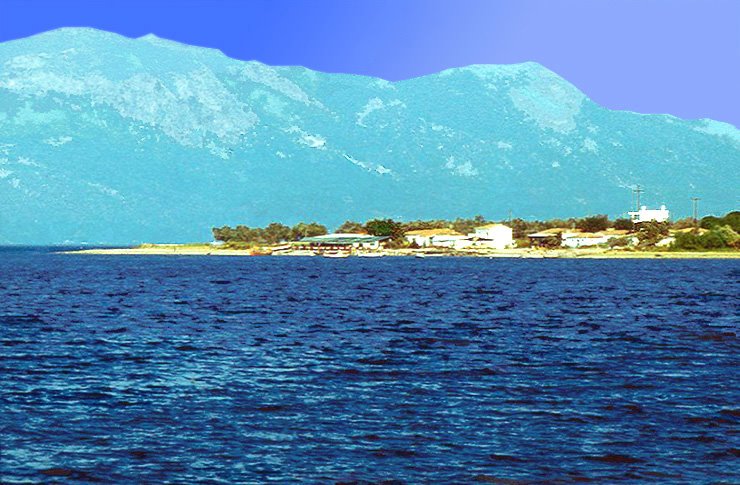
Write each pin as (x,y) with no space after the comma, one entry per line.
(260,253)
(335,255)
(370,255)
(419,255)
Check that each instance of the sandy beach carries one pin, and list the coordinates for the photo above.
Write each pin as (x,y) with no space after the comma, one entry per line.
(586,253)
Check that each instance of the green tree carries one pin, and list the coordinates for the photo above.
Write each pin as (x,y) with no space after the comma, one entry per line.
(351,227)
(593,223)
(302,230)
(224,233)
(276,232)
(384,227)
(243,234)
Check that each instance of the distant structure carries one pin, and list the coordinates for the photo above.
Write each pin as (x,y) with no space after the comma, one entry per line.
(646,215)
(571,238)
(490,236)
(694,203)
(341,242)
(433,237)
(493,236)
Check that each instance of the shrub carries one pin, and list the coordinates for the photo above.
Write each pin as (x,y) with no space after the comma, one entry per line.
(624,225)
(649,233)
(717,238)
(687,241)
(731,219)
(619,242)
(684,223)
(728,237)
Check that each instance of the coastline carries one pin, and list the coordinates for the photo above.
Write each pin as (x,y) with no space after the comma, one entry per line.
(524,253)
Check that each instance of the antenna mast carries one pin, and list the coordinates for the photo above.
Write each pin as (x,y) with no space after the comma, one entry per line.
(638,190)
(694,201)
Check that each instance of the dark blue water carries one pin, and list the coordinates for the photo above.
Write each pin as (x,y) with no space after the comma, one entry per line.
(225,370)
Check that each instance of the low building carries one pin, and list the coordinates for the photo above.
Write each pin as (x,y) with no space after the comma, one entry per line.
(492,236)
(647,215)
(583,239)
(549,238)
(571,238)
(423,237)
(454,241)
(341,242)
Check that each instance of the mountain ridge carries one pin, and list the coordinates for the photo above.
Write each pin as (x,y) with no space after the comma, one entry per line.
(256,143)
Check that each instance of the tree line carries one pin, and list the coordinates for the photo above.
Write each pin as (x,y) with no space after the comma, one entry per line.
(721,233)
(273,233)
(276,232)
(722,230)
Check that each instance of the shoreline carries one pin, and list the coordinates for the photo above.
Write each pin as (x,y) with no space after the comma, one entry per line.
(523,253)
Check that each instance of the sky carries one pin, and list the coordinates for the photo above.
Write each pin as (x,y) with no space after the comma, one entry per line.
(680,57)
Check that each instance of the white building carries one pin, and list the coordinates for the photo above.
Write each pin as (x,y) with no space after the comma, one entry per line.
(577,239)
(646,215)
(493,236)
(423,237)
(570,238)
(342,241)
(583,239)
(454,241)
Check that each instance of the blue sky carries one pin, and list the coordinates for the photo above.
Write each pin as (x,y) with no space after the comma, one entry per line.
(653,56)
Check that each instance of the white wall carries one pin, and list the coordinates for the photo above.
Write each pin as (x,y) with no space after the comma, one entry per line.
(421,241)
(497,237)
(579,242)
(450,241)
(646,215)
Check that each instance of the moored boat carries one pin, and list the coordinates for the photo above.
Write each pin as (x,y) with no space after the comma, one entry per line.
(335,255)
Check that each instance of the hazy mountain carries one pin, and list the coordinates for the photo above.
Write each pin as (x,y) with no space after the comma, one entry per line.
(109,139)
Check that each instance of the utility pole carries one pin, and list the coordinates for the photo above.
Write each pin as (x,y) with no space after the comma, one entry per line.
(509,216)
(638,190)
(694,201)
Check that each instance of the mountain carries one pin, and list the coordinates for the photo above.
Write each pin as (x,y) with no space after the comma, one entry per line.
(106,139)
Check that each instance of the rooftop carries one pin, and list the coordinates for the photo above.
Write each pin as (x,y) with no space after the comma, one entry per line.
(444,231)
(554,231)
(343,239)
(489,226)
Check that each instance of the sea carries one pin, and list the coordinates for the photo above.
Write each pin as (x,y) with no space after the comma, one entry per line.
(195,369)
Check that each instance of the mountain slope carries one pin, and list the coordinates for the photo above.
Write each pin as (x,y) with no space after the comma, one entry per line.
(106,139)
